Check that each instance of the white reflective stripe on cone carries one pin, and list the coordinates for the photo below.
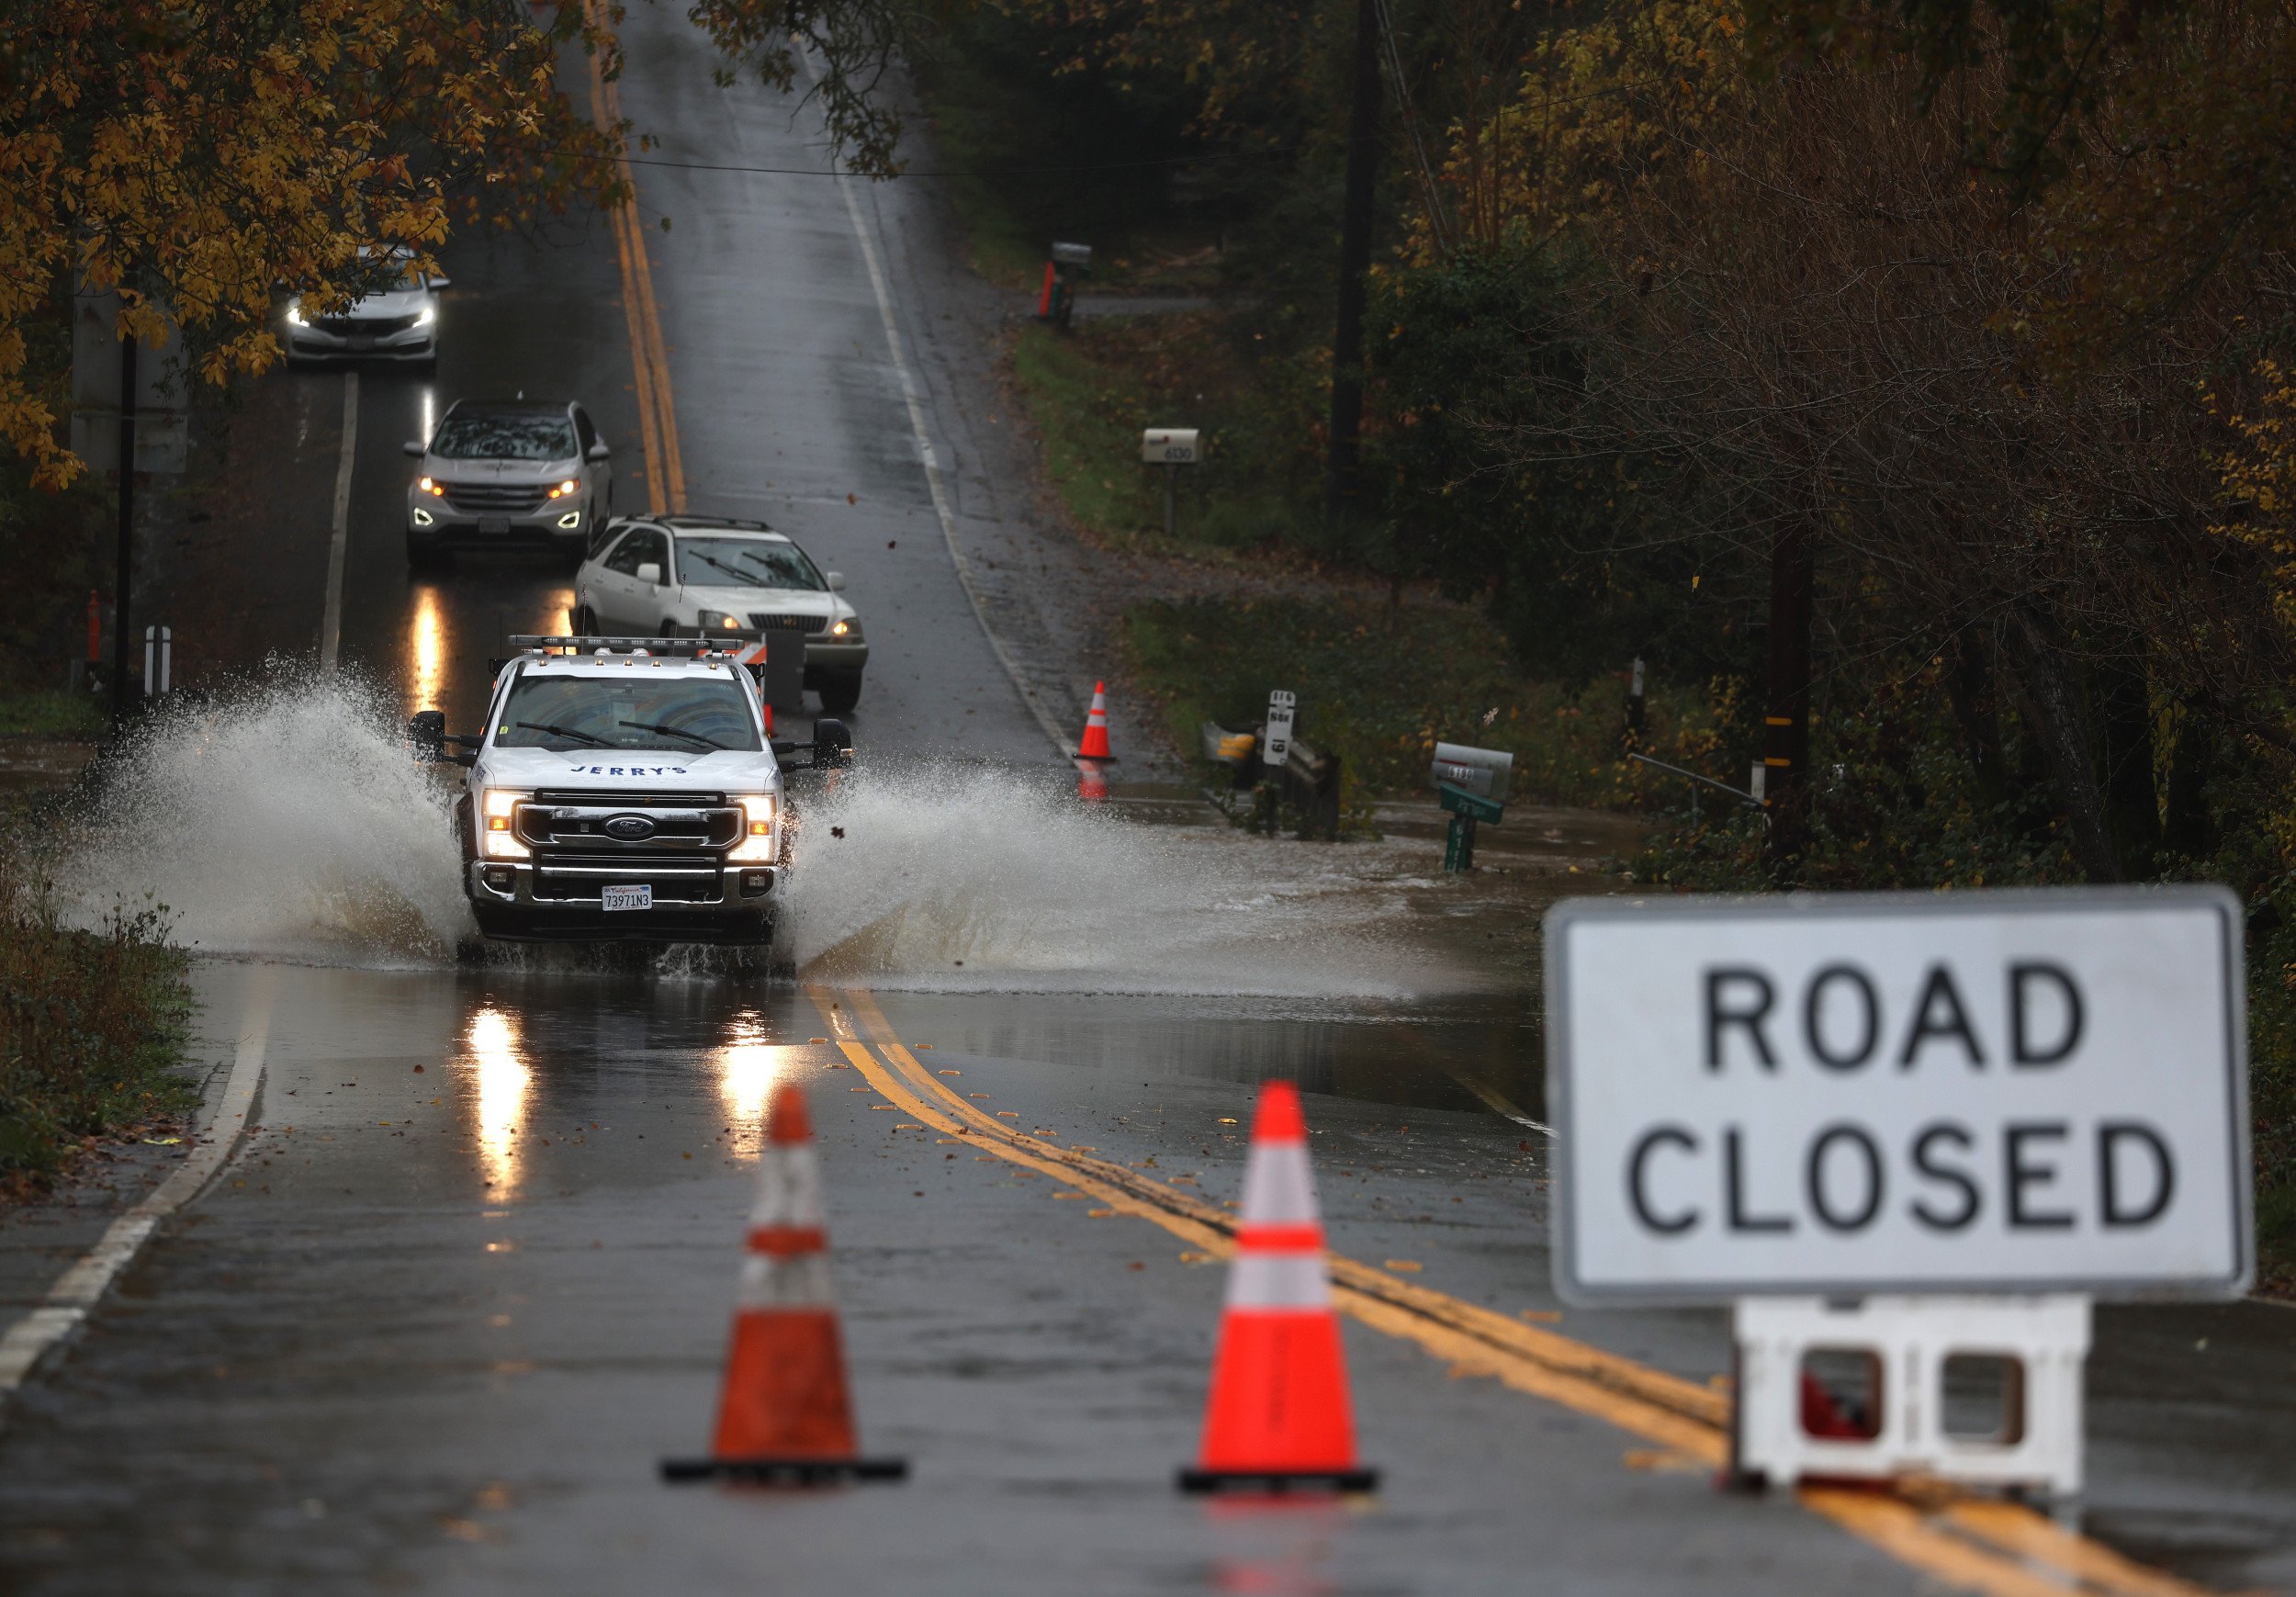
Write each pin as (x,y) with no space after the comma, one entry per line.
(789,1187)
(1285,1280)
(798,1282)
(1278,1188)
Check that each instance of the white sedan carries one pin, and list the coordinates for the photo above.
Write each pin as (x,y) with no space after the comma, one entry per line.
(675,576)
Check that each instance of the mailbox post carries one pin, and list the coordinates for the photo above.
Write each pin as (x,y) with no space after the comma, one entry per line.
(1170,447)
(1057,304)
(1472,785)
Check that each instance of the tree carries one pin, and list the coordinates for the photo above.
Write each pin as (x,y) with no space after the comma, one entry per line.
(199,156)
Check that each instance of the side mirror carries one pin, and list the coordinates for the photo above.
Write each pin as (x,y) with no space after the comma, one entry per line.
(414,448)
(837,581)
(596,452)
(831,742)
(440,280)
(650,573)
(426,734)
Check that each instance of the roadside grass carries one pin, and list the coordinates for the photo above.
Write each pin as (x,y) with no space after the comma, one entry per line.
(94,1027)
(52,713)
(1091,392)
(1381,696)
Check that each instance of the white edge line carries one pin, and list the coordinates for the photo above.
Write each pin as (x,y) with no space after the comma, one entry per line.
(84,1284)
(912,392)
(339,530)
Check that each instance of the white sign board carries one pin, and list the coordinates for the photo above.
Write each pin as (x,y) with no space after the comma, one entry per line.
(1851,1093)
(1169,446)
(1276,746)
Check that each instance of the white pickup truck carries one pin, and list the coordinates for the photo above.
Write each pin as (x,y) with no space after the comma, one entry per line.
(625,789)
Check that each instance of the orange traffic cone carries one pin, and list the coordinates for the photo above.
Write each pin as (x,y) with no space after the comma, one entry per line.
(1279,1417)
(783,1416)
(1096,743)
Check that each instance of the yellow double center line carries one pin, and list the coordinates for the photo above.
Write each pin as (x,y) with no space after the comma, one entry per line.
(1999,1549)
(649,355)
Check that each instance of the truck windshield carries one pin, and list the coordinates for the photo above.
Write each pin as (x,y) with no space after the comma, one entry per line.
(682,714)
(709,562)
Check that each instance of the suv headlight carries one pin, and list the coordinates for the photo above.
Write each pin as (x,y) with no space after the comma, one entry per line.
(756,828)
(495,807)
(849,628)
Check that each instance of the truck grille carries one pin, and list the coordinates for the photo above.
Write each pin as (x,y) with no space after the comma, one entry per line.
(497,497)
(801,622)
(571,832)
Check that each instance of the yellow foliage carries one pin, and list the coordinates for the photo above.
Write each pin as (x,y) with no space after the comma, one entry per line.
(202,155)
(1599,107)
(2259,481)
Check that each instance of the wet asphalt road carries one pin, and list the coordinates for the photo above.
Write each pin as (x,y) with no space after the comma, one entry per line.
(470,1278)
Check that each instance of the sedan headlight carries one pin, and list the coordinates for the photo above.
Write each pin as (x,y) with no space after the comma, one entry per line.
(295,313)
(425,316)
(756,828)
(496,807)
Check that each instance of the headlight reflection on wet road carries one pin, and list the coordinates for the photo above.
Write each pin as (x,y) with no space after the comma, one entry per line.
(503,1077)
(747,1069)
(426,640)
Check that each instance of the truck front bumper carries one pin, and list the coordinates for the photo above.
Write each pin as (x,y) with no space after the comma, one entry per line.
(529,900)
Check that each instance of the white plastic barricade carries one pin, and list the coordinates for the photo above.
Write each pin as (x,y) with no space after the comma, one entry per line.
(2041,1342)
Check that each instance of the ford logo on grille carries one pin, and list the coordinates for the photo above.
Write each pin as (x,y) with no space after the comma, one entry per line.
(629,828)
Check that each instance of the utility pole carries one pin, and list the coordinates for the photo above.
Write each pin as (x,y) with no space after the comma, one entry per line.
(1355,266)
(120,588)
(1785,704)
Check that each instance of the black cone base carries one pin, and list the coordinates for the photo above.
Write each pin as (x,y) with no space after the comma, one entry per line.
(785,1471)
(1279,1483)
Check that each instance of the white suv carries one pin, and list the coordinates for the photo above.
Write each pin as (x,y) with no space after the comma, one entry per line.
(691,575)
(622,792)
(506,471)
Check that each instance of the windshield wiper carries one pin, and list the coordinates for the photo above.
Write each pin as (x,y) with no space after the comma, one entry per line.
(676,732)
(739,577)
(589,737)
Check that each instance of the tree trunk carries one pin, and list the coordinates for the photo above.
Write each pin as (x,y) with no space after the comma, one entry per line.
(2057,728)
(1354,265)
(2187,830)
(1785,704)
(2124,718)
(1969,688)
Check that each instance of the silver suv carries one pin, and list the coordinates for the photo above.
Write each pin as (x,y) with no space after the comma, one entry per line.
(498,472)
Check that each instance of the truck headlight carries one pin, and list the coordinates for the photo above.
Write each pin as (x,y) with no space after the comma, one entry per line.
(496,807)
(756,828)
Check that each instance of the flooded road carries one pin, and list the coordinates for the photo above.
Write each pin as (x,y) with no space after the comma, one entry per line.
(467,1277)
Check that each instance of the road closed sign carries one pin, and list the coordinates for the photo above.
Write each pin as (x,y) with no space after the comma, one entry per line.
(1843,1094)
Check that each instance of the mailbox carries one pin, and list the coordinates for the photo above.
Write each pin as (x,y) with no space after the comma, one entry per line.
(1485,772)
(1072,254)
(1168,446)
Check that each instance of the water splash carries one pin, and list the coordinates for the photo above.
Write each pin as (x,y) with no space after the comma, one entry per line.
(958,878)
(287,822)
(282,820)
